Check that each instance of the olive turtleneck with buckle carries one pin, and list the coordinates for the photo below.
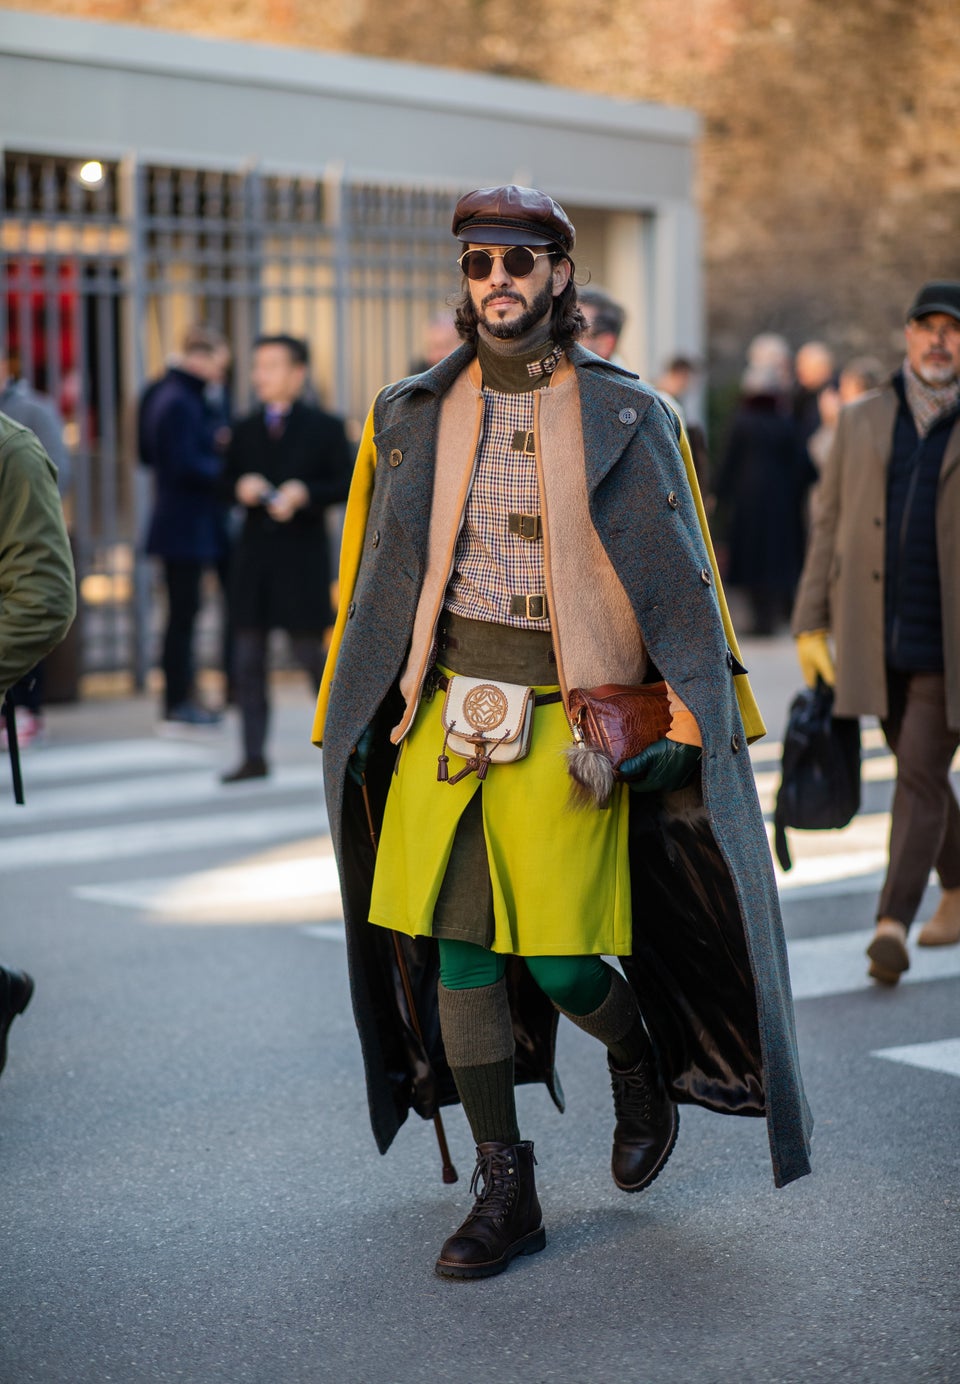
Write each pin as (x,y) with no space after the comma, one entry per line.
(520,364)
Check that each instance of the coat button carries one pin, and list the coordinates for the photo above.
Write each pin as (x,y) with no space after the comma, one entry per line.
(876,576)
(351,610)
(375,540)
(705,576)
(878,521)
(627,415)
(396,456)
(672,500)
(735,744)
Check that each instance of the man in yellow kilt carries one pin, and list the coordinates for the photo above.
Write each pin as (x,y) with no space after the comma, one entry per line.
(524,532)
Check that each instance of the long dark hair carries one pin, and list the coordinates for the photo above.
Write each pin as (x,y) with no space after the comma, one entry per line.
(567,324)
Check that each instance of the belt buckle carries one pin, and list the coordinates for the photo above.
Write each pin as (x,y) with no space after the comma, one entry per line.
(531,607)
(524,526)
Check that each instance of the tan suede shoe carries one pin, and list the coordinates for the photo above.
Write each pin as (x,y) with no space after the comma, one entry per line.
(888,952)
(943,929)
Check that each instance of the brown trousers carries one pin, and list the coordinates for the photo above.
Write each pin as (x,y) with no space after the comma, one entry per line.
(925,818)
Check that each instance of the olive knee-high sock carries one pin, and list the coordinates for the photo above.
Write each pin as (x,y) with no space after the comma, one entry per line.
(618,1023)
(478,1038)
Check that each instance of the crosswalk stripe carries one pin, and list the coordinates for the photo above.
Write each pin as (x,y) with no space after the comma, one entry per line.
(107,758)
(52,849)
(124,795)
(278,890)
(837,964)
(940,1056)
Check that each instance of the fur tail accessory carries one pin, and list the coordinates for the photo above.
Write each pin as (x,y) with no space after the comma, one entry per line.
(611,724)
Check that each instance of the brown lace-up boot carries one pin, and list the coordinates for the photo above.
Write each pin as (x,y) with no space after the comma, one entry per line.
(647,1124)
(505,1220)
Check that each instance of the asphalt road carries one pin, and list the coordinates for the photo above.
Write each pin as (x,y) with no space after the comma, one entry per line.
(190,1188)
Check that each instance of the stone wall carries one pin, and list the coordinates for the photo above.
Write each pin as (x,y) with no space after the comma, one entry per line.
(830,163)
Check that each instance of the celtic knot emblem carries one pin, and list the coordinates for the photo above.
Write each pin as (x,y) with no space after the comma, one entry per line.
(485,707)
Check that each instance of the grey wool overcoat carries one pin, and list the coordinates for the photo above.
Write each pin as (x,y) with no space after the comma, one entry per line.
(709,961)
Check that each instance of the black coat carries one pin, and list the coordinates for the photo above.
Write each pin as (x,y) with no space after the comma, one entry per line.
(762,488)
(281,572)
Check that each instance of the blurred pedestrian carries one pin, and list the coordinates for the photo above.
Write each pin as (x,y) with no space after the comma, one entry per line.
(674,383)
(882,576)
(178,441)
(516,513)
(37,602)
(38,412)
(439,339)
(286,462)
(761,491)
(771,352)
(857,377)
(814,371)
(605,319)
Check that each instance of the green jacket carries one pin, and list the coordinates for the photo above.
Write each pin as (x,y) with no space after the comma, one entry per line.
(37,592)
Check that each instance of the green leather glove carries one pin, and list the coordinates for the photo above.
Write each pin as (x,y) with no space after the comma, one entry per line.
(661,767)
(357,763)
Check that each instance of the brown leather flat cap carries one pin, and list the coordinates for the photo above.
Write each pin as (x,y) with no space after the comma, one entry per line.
(512,216)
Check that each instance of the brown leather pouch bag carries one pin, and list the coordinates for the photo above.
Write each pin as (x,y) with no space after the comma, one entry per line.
(612,724)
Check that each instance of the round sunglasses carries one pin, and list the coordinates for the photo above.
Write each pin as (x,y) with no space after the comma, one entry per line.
(518,261)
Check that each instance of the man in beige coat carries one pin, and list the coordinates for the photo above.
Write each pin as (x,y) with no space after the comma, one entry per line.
(882,576)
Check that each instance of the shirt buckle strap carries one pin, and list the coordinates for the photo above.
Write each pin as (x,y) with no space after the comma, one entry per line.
(525,526)
(530,607)
(523,441)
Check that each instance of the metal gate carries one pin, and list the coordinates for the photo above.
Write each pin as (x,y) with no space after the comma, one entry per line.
(103,268)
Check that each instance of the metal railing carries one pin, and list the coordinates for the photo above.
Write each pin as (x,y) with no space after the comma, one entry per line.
(99,282)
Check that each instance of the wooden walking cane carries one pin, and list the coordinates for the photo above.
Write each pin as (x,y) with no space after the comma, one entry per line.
(449,1171)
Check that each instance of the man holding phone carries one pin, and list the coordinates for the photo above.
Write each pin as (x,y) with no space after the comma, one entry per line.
(287,461)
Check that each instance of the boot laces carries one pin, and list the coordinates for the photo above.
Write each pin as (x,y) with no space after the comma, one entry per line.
(498,1170)
(634,1093)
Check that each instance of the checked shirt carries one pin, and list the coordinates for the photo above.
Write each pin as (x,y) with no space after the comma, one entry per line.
(491,564)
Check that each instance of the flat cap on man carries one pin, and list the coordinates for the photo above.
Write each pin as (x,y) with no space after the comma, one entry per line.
(512,215)
(939,296)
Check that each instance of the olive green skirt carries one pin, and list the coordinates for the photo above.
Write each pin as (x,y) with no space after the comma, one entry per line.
(511,863)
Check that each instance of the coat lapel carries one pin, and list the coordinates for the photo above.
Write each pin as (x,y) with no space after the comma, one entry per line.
(882,419)
(610,409)
(406,448)
(951,457)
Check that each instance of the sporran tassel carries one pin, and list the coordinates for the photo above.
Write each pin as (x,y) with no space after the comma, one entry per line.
(592,776)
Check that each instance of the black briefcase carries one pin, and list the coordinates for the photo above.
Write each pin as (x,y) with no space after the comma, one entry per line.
(820,770)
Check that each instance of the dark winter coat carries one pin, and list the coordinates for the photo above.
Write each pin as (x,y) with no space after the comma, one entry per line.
(761,488)
(281,571)
(913,608)
(709,960)
(176,435)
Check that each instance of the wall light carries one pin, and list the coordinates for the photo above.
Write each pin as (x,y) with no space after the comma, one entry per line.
(91,174)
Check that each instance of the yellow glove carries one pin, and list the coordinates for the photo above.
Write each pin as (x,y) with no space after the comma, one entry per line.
(814,657)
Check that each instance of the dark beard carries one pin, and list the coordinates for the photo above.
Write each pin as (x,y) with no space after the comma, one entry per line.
(536,311)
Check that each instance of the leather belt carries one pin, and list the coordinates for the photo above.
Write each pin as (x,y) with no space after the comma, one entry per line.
(450,641)
(531,607)
(442,682)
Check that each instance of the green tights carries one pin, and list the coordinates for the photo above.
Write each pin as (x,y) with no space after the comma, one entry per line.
(477,1027)
(576,984)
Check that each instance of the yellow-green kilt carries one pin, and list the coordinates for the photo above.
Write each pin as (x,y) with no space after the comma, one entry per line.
(560,874)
